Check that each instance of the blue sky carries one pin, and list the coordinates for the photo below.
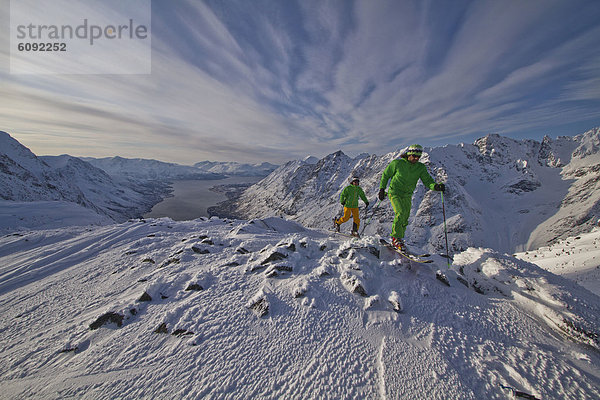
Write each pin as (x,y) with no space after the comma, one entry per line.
(268,80)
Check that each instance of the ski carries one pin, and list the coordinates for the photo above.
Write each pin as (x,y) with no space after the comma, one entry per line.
(344,234)
(440,276)
(413,257)
(421,255)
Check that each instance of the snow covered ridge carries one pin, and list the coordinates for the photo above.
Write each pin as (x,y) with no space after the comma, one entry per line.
(269,309)
(502,193)
(143,169)
(235,168)
(24,177)
(138,168)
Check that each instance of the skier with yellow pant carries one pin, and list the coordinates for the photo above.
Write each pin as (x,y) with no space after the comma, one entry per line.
(403,175)
(349,199)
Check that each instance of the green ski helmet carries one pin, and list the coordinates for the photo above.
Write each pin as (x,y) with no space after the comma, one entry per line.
(414,150)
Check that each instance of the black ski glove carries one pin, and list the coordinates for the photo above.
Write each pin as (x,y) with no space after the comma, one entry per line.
(440,187)
(344,203)
(381,194)
(367,204)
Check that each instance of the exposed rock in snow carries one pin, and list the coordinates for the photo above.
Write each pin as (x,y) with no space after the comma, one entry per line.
(259,304)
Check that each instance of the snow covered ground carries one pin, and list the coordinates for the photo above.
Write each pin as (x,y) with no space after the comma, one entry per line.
(265,308)
(20,215)
(576,258)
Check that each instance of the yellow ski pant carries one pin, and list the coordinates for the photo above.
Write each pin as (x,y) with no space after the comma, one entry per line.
(347,213)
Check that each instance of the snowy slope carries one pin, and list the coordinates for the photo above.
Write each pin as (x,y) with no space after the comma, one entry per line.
(268,309)
(576,258)
(17,216)
(531,193)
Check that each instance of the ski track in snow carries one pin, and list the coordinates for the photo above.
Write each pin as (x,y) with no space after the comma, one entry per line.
(328,330)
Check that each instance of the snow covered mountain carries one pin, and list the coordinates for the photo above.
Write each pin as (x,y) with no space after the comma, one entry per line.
(26,178)
(236,169)
(137,169)
(502,193)
(269,309)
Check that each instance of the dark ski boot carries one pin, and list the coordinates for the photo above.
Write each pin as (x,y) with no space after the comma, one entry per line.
(354,230)
(399,244)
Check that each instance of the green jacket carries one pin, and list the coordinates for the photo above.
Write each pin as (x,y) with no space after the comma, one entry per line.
(350,195)
(403,177)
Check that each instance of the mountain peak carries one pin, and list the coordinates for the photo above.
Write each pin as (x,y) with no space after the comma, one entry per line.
(10,148)
(589,143)
(310,160)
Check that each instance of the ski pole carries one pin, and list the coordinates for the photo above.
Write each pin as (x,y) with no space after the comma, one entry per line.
(371,217)
(445,229)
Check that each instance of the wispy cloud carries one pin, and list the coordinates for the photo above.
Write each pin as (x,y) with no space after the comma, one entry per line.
(279,80)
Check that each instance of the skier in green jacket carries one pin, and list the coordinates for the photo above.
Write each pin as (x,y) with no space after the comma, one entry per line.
(349,199)
(403,175)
